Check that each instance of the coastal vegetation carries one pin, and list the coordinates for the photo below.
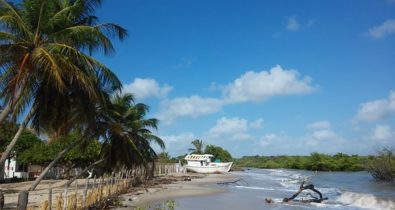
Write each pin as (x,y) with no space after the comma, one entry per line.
(198,147)
(314,162)
(382,166)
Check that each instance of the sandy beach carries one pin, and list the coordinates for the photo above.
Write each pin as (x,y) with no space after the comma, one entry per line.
(199,184)
(160,188)
(38,196)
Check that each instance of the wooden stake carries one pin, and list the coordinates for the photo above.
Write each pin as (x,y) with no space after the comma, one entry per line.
(85,193)
(1,200)
(65,198)
(23,198)
(50,197)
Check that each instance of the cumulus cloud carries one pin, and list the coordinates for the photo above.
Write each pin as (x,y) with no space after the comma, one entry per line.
(234,128)
(225,126)
(249,87)
(145,87)
(268,139)
(382,133)
(383,30)
(260,86)
(257,123)
(193,106)
(292,24)
(319,125)
(377,109)
(177,144)
(321,131)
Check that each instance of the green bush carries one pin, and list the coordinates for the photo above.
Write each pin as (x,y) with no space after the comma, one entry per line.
(382,167)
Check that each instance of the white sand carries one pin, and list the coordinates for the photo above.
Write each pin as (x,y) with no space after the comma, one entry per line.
(37,197)
(195,187)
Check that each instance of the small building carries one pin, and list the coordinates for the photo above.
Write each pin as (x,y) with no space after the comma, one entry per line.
(13,169)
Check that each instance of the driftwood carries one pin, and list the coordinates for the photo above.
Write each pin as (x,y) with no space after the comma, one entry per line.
(236,182)
(313,199)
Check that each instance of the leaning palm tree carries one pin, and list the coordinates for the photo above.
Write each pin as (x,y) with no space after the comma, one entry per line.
(126,135)
(43,47)
(78,115)
(199,147)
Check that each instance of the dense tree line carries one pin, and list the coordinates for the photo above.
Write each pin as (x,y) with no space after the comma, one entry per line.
(314,162)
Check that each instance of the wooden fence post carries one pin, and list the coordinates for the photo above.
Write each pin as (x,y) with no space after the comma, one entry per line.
(50,197)
(65,198)
(85,192)
(1,200)
(23,198)
(76,194)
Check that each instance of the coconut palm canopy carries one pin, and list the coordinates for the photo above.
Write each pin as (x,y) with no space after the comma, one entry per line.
(198,147)
(46,64)
(126,134)
(45,47)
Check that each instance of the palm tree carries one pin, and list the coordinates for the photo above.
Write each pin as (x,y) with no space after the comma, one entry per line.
(43,47)
(127,142)
(126,135)
(78,116)
(199,147)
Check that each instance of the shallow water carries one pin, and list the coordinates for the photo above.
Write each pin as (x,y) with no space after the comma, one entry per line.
(345,190)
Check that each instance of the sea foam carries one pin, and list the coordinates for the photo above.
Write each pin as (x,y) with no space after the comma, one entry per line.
(363,200)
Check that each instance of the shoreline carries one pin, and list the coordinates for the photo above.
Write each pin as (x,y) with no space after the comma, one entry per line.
(199,184)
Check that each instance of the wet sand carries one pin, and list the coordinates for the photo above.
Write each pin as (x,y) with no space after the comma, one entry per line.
(199,185)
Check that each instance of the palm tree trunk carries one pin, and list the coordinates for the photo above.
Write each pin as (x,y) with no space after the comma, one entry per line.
(57,158)
(5,112)
(8,108)
(10,146)
(83,171)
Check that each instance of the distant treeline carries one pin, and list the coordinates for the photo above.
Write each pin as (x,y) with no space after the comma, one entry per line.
(314,162)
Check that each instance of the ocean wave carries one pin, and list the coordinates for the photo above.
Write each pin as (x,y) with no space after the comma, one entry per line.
(363,200)
(263,188)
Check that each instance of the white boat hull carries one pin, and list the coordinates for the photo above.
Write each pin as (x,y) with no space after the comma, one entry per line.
(211,168)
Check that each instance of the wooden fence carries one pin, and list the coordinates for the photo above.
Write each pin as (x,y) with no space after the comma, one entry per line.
(84,195)
(168,168)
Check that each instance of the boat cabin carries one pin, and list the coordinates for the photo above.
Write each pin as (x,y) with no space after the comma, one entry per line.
(199,160)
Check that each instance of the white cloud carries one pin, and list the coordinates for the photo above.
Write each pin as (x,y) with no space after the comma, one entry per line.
(320,132)
(267,139)
(257,123)
(385,29)
(143,88)
(260,86)
(177,144)
(376,110)
(382,133)
(234,128)
(193,106)
(292,24)
(251,86)
(319,125)
(184,137)
(324,135)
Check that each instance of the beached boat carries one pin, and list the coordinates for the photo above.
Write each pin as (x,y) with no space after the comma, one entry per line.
(204,164)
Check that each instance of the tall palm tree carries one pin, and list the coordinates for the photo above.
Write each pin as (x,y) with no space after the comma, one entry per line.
(128,141)
(45,46)
(199,147)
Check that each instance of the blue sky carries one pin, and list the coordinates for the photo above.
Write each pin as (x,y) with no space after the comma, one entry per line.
(261,77)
